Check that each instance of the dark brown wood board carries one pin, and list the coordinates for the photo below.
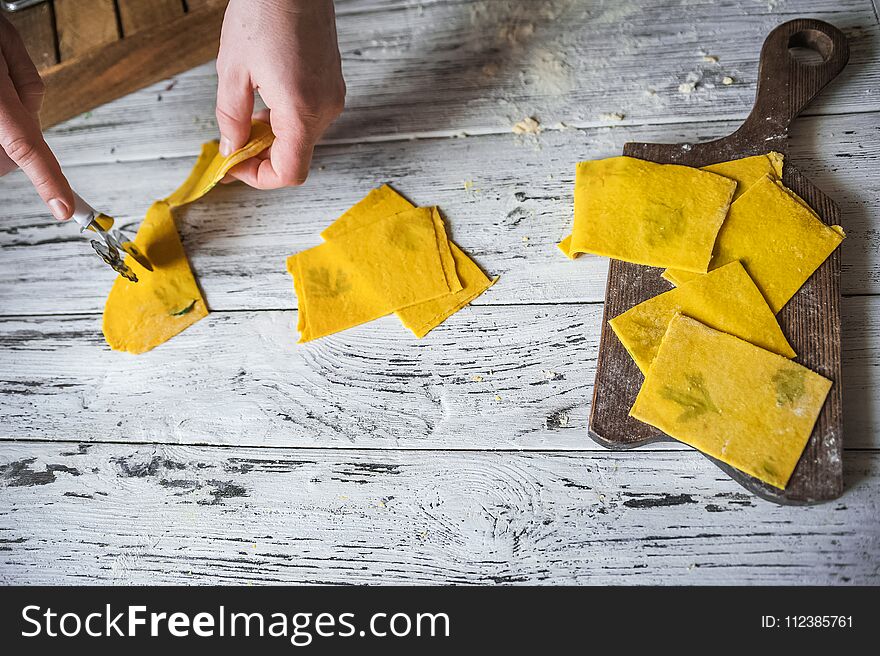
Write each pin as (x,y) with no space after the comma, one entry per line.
(788,79)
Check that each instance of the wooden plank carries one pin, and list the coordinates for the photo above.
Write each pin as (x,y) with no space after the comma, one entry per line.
(516,207)
(78,84)
(84,26)
(431,70)
(37,29)
(75,513)
(137,15)
(245,381)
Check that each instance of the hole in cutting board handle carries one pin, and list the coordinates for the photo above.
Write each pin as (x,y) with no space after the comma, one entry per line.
(810,47)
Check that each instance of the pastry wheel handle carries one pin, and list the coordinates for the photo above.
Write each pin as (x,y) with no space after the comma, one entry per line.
(83,213)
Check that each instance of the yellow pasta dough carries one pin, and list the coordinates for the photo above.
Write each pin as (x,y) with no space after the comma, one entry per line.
(368,272)
(422,317)
(745,406)
(777,237)
(212,167)
(725,299)
(140,316)
(648,213)
(746,171)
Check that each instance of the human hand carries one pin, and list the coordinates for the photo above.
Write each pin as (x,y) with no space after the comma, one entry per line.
(287,50)
(21,139)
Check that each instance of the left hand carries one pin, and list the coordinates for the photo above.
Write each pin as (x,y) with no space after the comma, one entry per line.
(287,50)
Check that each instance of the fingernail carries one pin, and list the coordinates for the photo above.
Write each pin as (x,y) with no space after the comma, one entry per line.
(59,209)
(225,147)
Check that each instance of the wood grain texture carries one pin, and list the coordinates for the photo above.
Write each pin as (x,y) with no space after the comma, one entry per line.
(518,207)
(447,68)
(137,15)
(83,26)
(529,368)
(80,83)
(118,514)
(37,28)
(811,319)
(171,513)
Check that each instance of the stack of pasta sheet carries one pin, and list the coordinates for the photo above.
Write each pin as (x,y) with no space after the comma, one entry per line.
(383,256)
(738,245)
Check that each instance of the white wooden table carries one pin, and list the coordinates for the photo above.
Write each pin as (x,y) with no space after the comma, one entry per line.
(231,454)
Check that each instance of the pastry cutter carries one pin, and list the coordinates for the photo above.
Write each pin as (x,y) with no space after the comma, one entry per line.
(111,244)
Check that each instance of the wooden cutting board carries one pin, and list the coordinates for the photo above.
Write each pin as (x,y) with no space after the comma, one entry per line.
(811,320)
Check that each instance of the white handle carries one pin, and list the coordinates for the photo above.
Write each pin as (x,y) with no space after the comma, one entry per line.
(83,213)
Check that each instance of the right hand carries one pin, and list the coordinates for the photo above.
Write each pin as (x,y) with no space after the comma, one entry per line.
(21,138)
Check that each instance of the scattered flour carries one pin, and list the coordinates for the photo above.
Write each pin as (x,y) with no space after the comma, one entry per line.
(528,125)
(691,81)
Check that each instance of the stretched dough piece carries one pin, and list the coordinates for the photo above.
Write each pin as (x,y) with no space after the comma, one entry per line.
(368,272)
(725,299)
(422,317)
(212,167)
(736,402)
(140,316)
(777,237)
(648,213)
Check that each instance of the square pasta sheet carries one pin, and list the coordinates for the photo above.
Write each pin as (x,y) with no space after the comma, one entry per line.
(648,213)
(734,401)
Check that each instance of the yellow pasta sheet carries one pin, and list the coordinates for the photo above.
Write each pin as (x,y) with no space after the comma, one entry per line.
(368,272)
(466,279)
(140,316)
(777,237)
(746,171)
(745,406)
(725,299)
(648,213)
(212,167)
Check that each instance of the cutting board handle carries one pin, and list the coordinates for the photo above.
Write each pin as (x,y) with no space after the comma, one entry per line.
(788,81)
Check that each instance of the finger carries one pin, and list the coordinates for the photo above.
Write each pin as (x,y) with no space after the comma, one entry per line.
(247,168)
(6,164)
(235,103)
(288,158)
(261,115)
(21,70)
(23,143)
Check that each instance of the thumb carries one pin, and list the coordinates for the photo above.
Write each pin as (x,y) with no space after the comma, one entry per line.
(235,104)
